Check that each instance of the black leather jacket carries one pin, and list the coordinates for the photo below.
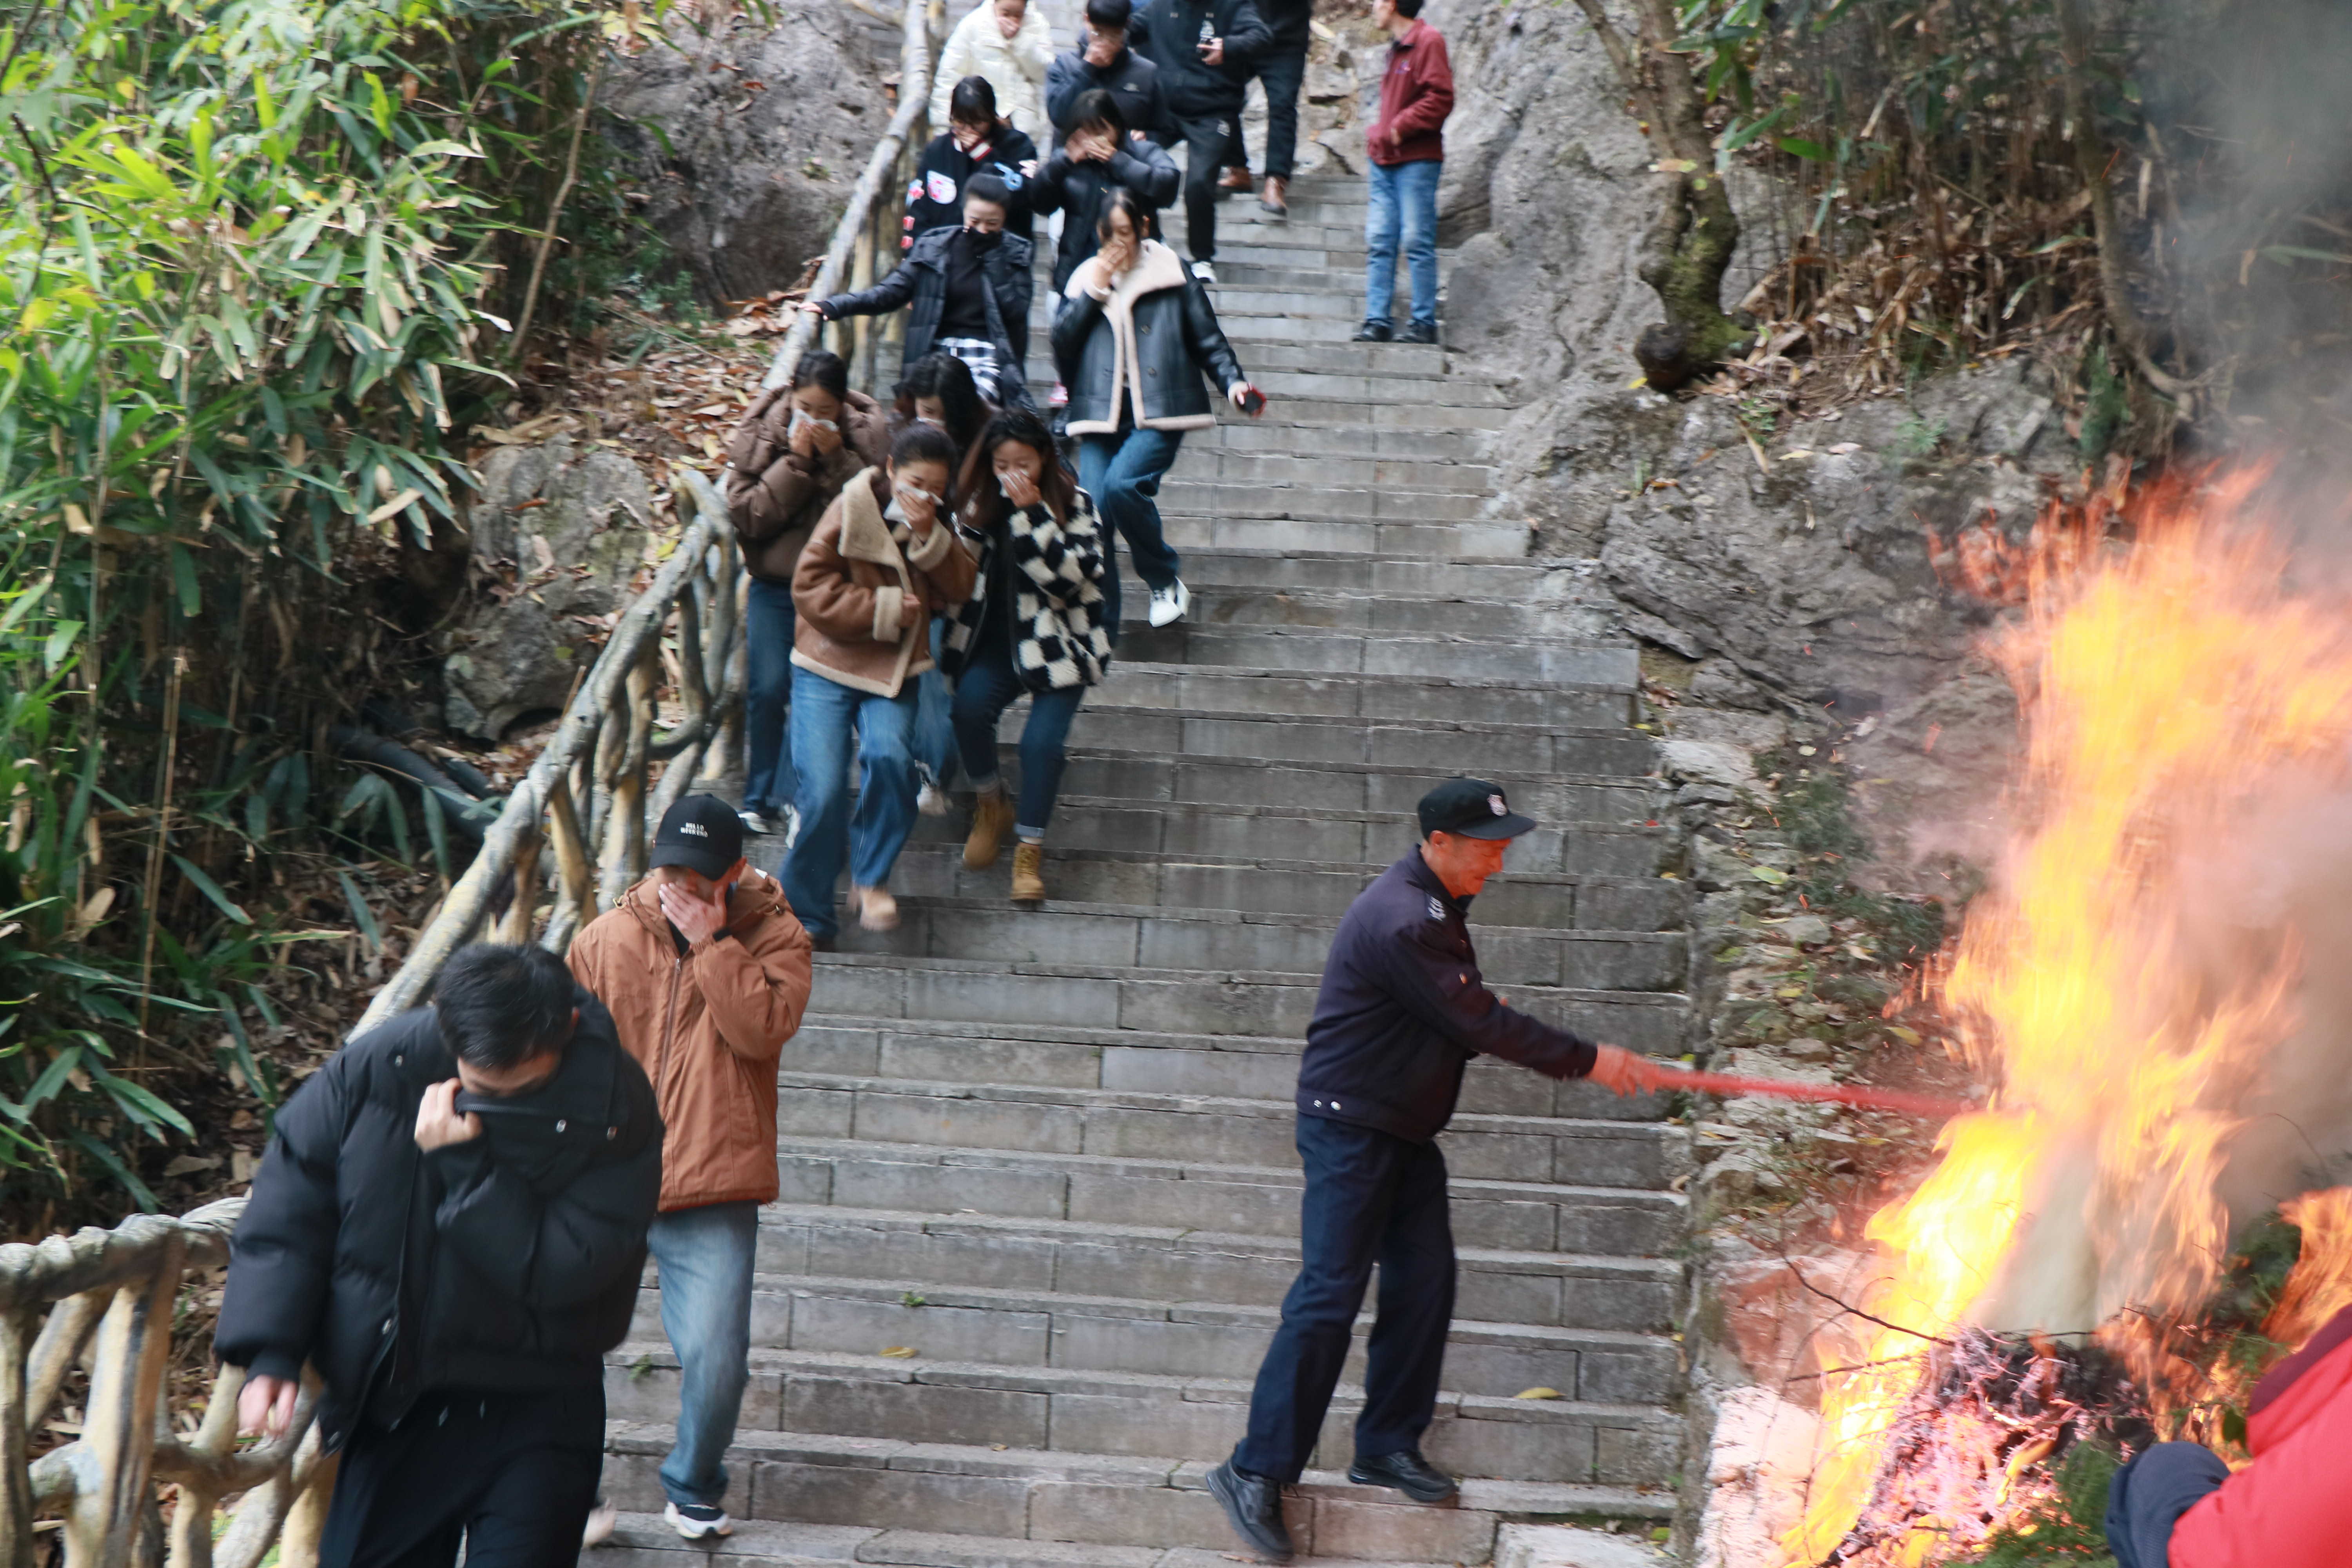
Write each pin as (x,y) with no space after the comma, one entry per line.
(921,280)
(510,1261)
(1178,341)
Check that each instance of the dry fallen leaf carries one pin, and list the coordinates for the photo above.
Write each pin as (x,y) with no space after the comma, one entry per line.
(899,1353)
(1537,1393)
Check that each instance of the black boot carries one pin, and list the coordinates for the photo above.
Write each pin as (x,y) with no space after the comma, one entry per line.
(1406,1472)
(1253,1505)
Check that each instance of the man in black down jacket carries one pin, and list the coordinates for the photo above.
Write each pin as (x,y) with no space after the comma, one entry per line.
(1401,1011)
(1102,61)
(1205,49)
(449,1224)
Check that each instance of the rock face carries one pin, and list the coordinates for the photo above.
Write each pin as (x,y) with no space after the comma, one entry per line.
(748,138)
(557,532)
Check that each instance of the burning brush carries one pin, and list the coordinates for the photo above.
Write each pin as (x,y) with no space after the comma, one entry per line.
(1975,1444)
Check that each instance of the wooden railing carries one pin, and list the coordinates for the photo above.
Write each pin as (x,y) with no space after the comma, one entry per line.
(104,1301)
(661,706)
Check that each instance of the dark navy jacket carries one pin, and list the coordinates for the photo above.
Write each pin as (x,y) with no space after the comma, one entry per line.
(1403,1009)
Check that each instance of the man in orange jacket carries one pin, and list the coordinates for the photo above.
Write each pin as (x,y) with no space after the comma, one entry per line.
(706,972)
(2177,1505)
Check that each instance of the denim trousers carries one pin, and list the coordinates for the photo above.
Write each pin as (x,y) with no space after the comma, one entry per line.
(1403,196)
(2148,1495)
(824,715)
(1370,1198)
(769,621)
(990,685)
(1122,473)
(704,1258)
(935,742)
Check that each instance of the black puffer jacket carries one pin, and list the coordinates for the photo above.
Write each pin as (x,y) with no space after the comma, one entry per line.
(1132,81)
(510,1261)
(1150,344)
(920,279)
(1081,190)
(1170,32)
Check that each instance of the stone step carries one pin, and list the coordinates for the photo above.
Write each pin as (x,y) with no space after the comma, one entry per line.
(1603,696)
(934,869)
(948,1322)
(1278,437)
(1514,650)
(1209,465)
(1055,1410)
(1218,605)
(1529,1146)
(1094,1258)
(1246,1199)
(1140,935)
(1439,541)
(1154,1507)
(1230,1002)
(1403,581)
(1374,503)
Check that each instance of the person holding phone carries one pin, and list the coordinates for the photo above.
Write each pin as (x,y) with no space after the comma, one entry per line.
(1135,336)
(790,453)
(706,975)
(1205,49)
(1035,624)
(882,562)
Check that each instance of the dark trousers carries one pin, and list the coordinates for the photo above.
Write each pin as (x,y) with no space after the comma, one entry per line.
(1370,1198)
(988,686)
(1204,139)
(769,620)
(1283,69)
(2148,1495)
(513,1475)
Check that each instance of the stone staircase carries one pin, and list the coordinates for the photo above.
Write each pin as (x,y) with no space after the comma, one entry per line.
(1040,1200)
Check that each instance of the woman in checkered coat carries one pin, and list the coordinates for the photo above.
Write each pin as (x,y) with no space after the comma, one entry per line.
(1033,624)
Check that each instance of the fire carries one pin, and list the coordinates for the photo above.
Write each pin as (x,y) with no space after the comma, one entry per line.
(2166,687)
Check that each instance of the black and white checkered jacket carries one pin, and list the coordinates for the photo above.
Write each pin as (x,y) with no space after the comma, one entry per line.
(1057,607)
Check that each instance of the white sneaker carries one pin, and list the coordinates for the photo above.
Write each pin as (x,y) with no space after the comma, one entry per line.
(1204,272)
(698,1521)
(755,823)
(932,800)
(601,1520)
(1169,604)
(792,825)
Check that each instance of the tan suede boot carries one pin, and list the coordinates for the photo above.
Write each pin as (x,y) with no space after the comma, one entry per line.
(1028,873)
(992,819)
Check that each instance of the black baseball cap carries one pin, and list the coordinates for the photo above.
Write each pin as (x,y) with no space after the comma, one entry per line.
(1473,808)
(702,834)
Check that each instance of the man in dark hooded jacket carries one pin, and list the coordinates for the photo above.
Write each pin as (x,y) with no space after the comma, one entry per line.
(449,1224)
(1205,49)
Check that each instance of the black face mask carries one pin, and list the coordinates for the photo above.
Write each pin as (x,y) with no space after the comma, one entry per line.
(982,241)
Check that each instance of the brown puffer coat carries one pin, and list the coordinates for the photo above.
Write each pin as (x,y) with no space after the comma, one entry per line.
(774,496)
(854,573)
(707,1023)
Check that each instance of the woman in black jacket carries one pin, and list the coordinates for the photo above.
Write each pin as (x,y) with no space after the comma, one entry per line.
(1095,159)
(1135,337)
(1033,624)
(968,288)
(976,141)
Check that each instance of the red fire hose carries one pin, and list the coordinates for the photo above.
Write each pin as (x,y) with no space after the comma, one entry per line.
(1842,1094)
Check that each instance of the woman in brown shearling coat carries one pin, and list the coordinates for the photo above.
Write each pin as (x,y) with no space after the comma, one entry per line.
(884,562)
(791,454)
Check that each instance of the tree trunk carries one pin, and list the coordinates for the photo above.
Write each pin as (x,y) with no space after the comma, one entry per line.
(1689,248)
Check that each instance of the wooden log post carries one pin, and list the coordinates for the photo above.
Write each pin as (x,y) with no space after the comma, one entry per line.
(134,1343)
(576,879)
(522,908)
(16,1451)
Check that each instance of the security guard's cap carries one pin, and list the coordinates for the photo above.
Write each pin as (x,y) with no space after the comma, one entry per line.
(1473,808)
(702,834)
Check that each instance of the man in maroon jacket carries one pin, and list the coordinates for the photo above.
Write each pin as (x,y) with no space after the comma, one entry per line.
(1408,150)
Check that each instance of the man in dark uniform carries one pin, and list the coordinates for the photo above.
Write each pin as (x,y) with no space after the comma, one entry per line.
(1402,1010)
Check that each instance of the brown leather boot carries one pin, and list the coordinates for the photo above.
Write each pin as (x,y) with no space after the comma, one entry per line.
(1028,873)
(992,819)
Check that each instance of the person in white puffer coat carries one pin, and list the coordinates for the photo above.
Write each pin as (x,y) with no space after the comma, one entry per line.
(1006,41)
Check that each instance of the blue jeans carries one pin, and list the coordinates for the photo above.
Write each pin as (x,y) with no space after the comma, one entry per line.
(825,713)
(1370,1198)
(2148,1495)
(704,1258)
(935,742)
(1402,195)
(1122,473)
(983,692)
(769,620)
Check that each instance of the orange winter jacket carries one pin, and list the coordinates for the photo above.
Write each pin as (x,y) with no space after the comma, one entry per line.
(707,1023)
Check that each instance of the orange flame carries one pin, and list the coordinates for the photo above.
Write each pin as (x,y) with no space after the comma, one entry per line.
(2163,687)
(2321,1284)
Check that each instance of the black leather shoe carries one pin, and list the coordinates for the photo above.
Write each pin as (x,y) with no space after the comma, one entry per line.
(1254,1506)
(1407,1472)
(1374,332)
(1418,332)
